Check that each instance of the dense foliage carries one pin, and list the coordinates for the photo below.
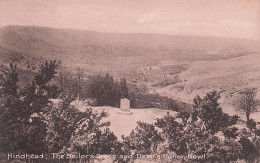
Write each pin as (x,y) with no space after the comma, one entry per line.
(193,136)
(141,98)
(22,120)
(40,118)
(105,90)
(72,84)
(31,123)
(209,111)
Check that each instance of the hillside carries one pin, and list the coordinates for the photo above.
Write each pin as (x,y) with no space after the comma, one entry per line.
(176,66)
(106,51)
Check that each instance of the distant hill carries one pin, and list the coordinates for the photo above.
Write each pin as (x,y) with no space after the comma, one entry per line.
(88,48)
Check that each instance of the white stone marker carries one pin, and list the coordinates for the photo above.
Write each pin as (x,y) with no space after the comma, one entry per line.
(125,105)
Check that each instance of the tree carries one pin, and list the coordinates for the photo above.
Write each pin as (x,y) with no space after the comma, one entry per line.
(11,114)
(30,122)
(210,112)
(35,99)
(247,102)
(124,89)
(36,95)
(79,82)
(9,80)
(172,132)
(73,131)
(105,90)
(92,135)
(62,120)
(22,120)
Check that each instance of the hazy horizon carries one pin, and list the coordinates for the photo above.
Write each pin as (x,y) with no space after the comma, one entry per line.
(145,33)
(207,18)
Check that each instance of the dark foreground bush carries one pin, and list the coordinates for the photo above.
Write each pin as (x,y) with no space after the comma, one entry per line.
(31,124)
(191,134)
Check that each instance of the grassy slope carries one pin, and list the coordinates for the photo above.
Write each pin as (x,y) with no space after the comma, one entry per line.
(225,75)
(118,52)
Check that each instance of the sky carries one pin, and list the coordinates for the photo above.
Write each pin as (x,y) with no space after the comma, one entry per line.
(215,18)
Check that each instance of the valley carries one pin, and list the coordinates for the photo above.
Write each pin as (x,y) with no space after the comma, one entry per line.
(179,67)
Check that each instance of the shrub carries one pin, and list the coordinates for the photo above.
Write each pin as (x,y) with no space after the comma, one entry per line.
(106,91)
(248,150)
(210,112)
(22,110)
(144,139)
(230,132)
(184,135)
(152,101)
(92,136)
(31,123)
(251,124)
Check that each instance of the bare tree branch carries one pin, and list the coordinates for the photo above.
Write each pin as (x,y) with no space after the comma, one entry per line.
(247,102)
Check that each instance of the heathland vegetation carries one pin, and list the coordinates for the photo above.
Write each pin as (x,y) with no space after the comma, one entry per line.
(32,123)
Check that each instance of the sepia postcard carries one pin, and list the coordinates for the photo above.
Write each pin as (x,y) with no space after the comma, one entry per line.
(129,81)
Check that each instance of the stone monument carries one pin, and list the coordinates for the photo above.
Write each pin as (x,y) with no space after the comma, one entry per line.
(125,106)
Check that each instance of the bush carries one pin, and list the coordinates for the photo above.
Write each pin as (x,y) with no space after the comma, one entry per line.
(71,131)
(184,135)
(106,91)
(230,132)
(141,98)
(22,109)
(144,139)
(32,124)
(210,112)
(91,135)
(152,101)
(251,124)
(248,150)
(180,135)
(73,85)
